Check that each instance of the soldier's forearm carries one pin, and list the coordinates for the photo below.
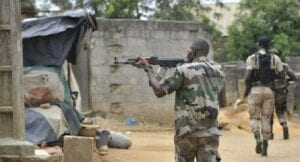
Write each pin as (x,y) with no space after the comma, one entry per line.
(154,83)
(248,82)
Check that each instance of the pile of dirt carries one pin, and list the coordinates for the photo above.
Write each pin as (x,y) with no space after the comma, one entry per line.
(235,118)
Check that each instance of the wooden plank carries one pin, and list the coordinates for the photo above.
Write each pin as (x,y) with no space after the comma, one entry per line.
(6,68)
(6,126)
(6,92)
(6,109)
(5,11)
(11,118)
(5,27)
(17,62)
(82,75)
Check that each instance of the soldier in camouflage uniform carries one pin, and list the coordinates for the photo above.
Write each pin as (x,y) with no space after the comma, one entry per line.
(197,85)
(262,69)
(281,98)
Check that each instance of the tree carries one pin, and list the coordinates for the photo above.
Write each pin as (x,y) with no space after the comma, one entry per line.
(63,4)
(129,9)
(176,9)
(190,10)
(28,8)
(279,20)
(182,10)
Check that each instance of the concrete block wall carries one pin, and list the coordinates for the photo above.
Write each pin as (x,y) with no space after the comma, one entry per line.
(123,91)
(295,66)
(234,81)
(293,62)
(297,94)
(234,78)
(231,84)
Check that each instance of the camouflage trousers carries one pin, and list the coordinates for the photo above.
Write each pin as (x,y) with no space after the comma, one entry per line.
(280,104)
(204,149)
(260,108)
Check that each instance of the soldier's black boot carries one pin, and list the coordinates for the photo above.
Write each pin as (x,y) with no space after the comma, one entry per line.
(218,157)
(264,151)
(258,141)
(285,133)
(258,147)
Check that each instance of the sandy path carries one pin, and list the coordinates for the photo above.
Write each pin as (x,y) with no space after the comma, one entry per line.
(236,144)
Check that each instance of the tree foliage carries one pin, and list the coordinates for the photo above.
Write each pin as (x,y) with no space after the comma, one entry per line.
(181,10)
(177,9)
(279,20)
(63,4)
(190,10)
(129,9)
(28,8)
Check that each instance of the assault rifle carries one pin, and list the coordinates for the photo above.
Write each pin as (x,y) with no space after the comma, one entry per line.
(154,60)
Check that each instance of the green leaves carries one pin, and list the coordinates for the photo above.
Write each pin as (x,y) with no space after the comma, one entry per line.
(181,10)
(176,10)
(280,20)
(283,43)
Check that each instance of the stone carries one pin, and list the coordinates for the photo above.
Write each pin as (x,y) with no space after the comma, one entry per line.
(78,149)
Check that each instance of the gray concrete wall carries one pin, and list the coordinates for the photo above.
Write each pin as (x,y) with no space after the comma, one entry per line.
(231,83)
(293,62)
(295,66)
(123,91)
(12,127)
(11,70)
(234,78)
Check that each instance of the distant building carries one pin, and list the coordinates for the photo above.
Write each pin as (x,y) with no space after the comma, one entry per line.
(222,16)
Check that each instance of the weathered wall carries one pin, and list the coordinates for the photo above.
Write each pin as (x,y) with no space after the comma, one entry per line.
(234,78)
(294,64)
(123,91)
(12,127)
(234,84)
(11,69)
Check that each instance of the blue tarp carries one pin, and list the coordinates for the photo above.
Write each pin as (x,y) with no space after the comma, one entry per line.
(42,127)
(52,40)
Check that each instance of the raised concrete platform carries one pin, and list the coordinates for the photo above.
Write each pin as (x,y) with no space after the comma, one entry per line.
(12,150)
(13,147)
(36,158)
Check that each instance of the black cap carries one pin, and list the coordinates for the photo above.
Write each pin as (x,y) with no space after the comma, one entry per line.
(263,42)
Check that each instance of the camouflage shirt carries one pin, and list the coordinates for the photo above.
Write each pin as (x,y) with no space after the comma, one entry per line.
(197,85)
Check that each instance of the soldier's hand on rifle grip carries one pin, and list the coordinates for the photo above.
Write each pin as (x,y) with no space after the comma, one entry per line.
(142,61)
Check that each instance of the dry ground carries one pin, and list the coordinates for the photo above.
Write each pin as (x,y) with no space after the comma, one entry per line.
(237,144)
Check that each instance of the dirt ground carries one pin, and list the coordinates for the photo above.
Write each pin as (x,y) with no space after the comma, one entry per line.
(236,145)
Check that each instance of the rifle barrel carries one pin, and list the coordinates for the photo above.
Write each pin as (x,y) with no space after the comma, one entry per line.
(161,61)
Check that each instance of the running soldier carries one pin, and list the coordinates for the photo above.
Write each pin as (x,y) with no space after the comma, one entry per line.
(262,69)
(281,90)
